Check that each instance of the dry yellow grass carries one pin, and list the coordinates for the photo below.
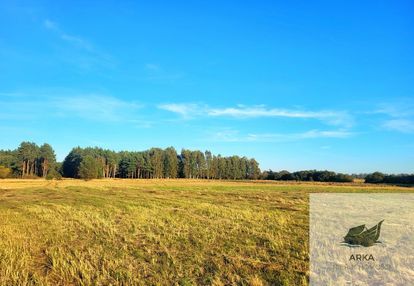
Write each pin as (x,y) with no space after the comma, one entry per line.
(157,232)
(128,183)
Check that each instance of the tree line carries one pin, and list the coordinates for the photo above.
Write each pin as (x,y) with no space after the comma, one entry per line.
(307,175)
(88,163)
(380,178)
(28,160)
(31,161)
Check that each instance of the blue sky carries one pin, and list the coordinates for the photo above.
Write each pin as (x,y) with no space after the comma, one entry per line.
(297,85)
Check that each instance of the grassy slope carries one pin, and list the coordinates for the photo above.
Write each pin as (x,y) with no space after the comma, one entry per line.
(156,232)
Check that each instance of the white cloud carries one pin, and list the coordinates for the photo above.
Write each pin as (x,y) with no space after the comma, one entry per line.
(311,134)
(325,134)
(50,24)
(400,125)
(186,110)
(263,112)
(235,136)
(82,52)
(95,107)
(399,109)
(190,110)
(399,116)
(75,40)
(228,136)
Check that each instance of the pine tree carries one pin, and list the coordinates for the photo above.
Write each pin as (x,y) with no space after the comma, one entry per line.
(89,168)
(47,159)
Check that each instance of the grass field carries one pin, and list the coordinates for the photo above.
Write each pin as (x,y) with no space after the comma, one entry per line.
(157,232)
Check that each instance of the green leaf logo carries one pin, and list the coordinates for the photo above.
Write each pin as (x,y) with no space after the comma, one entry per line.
(360,235)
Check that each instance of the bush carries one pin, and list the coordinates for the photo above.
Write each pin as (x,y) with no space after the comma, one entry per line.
(343,178)
(375,178)
(378,178)
(309,175)
(89,168)
(4,172)
(53,174)
(399,179)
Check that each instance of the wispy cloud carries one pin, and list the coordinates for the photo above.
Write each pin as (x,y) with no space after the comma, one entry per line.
(399,116)
(92,107)
(75,40)
(186,110)
(95,107)
(401,125)
(189,110)
(332,117)
(235,136)
(81,52)
(50,25)
(397,109)
(265,112)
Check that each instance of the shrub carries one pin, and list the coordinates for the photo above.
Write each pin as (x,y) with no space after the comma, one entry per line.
(89,168)
(53,174)
(4,172)
(343,178)
(375,178)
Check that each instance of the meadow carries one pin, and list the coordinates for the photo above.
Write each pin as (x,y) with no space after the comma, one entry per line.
(158,232)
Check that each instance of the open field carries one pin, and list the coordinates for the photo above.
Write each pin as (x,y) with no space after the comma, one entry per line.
(157,232)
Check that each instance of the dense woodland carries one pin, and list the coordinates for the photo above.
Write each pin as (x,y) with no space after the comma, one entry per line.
(32,161)
(309,175)
(156,163)
(380,178)
(28,160)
